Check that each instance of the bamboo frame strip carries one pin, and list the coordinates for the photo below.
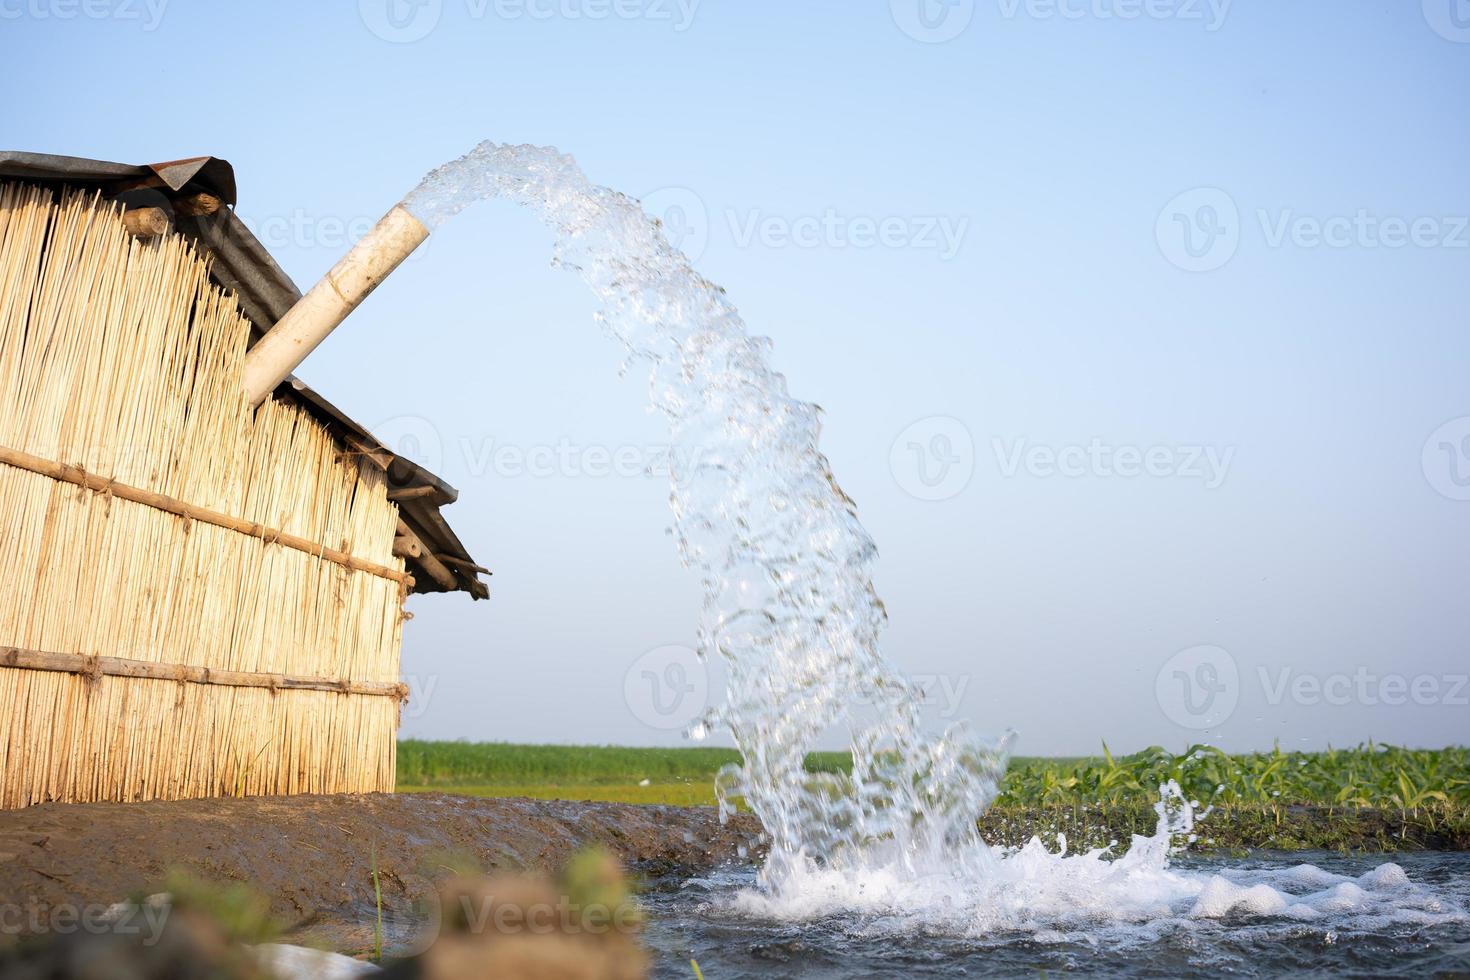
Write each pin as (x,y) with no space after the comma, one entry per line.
(80,477)
(79,663)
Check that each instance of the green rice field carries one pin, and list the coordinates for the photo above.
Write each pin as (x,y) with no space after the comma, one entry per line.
(1370,795)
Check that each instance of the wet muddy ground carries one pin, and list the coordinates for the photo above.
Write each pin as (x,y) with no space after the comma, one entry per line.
(314,856)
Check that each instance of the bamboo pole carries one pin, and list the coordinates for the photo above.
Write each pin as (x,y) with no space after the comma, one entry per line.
(197,205)
(80,477)
(428,561)
(330,301)
(93,667)
(145,222)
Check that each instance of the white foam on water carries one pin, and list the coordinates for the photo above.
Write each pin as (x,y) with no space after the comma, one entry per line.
(1052,896)
(790,608)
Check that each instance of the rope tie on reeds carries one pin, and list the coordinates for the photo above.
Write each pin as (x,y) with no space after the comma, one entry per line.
(82,485)
(105,491)
(91,670)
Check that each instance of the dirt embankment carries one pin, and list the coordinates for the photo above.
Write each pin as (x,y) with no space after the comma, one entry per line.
(313,856)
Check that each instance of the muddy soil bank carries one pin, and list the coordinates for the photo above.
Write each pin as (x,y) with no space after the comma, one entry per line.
(313,856)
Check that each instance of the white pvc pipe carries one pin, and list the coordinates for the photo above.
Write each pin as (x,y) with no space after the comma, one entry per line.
(321,310)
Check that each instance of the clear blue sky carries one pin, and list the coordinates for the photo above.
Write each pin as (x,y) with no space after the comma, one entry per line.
(1053,141)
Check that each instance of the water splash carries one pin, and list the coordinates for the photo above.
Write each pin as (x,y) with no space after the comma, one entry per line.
(790,608)
(789,603)
(1053,896)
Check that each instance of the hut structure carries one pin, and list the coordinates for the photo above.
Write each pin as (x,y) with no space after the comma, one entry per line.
(203,598)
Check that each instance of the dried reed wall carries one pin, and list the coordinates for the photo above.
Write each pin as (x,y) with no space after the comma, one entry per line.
(119,359)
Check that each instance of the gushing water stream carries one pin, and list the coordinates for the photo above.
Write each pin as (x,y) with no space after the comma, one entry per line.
(790,608)
(786,567)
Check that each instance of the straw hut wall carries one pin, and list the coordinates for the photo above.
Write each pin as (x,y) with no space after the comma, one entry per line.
(202,600)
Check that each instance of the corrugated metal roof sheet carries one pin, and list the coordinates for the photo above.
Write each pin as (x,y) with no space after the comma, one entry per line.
(240,264)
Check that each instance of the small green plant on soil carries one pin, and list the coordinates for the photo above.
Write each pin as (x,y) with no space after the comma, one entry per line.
(242,914)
